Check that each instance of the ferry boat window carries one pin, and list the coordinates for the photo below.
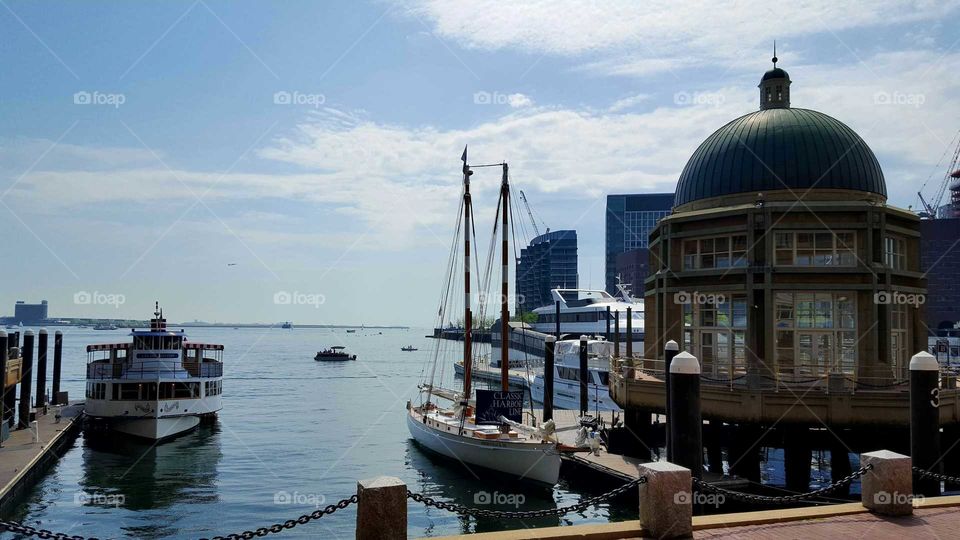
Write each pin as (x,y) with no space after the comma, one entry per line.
(186,390)
(604,378)
(97,390)
(571,374)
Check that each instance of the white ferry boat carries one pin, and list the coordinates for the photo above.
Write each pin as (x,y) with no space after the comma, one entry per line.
(157,386)
(566,377)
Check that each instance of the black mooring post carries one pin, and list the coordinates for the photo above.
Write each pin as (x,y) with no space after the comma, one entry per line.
(57,359)
(42,347)
(23,416)
(685,443)
(557,321)
(549,348)
(925,421)
(670,351)
(629,332)
(616,334)
(584,373)
(3,378)
(606,335)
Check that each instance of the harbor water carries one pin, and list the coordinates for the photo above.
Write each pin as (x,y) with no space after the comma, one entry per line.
(294,434)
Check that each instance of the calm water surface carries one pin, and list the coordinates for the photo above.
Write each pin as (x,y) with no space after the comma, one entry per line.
(293,433)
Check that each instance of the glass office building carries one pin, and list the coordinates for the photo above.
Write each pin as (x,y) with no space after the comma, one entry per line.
(630,218)
(549,262)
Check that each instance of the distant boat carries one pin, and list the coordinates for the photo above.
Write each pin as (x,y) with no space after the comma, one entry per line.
(351,331)
(105,326)
(408,348)
(288,325)
(334,354)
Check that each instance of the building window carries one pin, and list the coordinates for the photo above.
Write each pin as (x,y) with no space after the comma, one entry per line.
(895,253)
(815,249)
(898,340)
(815,333)
(717,252)
(716,333)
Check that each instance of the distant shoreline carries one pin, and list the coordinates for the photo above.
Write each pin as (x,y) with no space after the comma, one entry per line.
(144,324)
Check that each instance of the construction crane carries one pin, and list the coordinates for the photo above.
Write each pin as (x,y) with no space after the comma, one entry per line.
(950,180)
(533,221)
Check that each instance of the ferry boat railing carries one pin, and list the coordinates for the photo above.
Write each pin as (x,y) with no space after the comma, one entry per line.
(154,369)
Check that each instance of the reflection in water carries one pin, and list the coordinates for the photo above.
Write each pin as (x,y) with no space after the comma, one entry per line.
(130,474)
(448,481)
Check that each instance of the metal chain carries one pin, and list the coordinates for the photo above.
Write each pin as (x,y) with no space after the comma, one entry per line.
(27,530)
(783,499)
(483,512)
(262,531)
(936,476)
(291,523)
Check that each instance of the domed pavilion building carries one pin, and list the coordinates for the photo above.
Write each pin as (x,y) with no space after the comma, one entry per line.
(781,260)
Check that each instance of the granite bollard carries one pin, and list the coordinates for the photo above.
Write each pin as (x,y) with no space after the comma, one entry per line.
(666,500)
(887,488)
(381,509)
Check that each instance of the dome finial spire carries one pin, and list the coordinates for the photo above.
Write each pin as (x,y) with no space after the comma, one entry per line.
(774,53)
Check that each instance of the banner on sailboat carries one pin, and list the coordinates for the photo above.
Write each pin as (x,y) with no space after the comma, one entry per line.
(492,404)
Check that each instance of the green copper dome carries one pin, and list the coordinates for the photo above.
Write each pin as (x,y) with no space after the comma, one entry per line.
(780,149)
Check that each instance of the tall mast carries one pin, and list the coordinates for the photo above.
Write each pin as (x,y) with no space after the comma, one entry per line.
(467,316)
(504,311)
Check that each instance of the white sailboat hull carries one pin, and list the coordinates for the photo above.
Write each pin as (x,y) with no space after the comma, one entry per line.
(539,462)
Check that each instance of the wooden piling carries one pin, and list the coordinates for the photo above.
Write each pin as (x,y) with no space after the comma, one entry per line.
(23,416)
(42,347)
(549,348)
(925,420)
(57,359)
(684,421)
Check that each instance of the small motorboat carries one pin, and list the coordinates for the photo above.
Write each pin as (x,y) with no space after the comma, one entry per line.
(287,325)
(408,348)
(334,354)
(351,331)
(105,326)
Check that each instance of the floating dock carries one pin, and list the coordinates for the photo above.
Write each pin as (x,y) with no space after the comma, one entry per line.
(23,459)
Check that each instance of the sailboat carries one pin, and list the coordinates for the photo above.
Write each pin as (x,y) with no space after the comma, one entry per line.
(484,428)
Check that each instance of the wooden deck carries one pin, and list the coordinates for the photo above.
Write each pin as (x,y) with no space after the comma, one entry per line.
(22,460)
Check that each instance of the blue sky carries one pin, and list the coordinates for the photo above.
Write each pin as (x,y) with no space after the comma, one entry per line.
(189,158)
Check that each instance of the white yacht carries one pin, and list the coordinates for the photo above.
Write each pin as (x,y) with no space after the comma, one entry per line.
(566,378)
(157,386)
(584,312)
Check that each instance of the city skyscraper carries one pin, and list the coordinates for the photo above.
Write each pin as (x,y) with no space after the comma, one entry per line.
(548,262)
(630,218)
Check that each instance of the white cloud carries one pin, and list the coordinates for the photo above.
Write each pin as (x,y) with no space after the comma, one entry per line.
(518,101)
(642,37)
